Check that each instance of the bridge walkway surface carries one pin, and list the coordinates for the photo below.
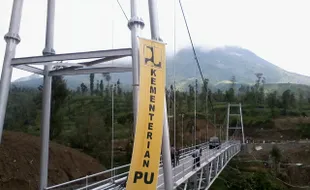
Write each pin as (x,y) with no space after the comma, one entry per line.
(212,162)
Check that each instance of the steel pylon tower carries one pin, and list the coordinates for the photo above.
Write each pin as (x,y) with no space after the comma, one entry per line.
(50,59)
(229,114)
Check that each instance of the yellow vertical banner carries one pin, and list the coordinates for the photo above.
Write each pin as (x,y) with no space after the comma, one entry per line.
(145,159)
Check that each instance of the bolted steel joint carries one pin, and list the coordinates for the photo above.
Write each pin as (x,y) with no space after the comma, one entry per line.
(135,20)
(48,51)
(12,36)
(158,39)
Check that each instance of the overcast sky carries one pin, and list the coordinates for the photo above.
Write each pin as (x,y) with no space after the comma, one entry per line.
(276,30)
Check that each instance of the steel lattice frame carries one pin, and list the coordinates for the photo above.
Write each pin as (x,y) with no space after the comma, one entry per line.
(86,66)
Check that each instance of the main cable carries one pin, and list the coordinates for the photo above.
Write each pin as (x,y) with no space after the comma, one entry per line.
(174,86)
(112,97)
(119,4)
(195,55)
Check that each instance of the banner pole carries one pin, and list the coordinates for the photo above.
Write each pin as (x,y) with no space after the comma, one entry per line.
(135,24)
(168,178)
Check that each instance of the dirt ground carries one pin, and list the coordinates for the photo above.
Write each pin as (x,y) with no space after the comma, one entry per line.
(20,162)
(291,153)
(283,129)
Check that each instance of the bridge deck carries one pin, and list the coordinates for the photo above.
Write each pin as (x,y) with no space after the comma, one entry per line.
(181,173)
(185,168)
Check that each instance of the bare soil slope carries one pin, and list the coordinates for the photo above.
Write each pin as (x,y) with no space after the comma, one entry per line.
(20,162)
(291,153)
(285,128)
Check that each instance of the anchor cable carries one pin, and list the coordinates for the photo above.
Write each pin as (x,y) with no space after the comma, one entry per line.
(195,54)
(119,4)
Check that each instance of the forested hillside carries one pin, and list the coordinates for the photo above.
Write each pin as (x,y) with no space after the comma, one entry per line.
(82,118)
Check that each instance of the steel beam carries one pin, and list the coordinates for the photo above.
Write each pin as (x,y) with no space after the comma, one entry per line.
(234,105)
(116,53)
(12,39)
(89,70)
(168,179)
(30,69)
(208,173)
(227,122)
(185,187)
(106,59)
(241,119)
(217,165)
(200,178)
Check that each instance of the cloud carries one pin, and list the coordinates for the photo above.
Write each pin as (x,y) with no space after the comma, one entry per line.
(264,27)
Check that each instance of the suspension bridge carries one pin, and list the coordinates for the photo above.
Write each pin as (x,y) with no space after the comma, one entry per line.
(213,161)
(155,139)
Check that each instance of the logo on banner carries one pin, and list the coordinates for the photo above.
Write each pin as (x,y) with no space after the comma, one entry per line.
(150,59)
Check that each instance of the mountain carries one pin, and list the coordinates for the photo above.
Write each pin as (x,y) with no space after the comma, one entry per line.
(28,78)
(31,81)
(218,65)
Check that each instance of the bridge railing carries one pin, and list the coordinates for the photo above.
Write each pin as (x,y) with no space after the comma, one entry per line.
(111,176)
(83,182)
(185,168)
(120,183)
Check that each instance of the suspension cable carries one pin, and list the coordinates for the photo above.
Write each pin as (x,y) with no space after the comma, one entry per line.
(195,106)
(195,54)
(112,98)
(215,128)
(225,120)
(174,87)
(119,4)
(112,132)
(207,118)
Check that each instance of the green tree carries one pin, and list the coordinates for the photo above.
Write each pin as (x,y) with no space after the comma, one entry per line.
(257,86)
(218,95)
(91,83)
(101,87)
(203,96)
(230,95)
(59,96)
(22,110)
(276,156)
(190,98)
(233,82)
(97,87)
(304,130)
(272,101)
(262,90)
(300,98)
(286,98)
(292,100)
(78,89)
(83,88)
(107,77)
(119,88)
